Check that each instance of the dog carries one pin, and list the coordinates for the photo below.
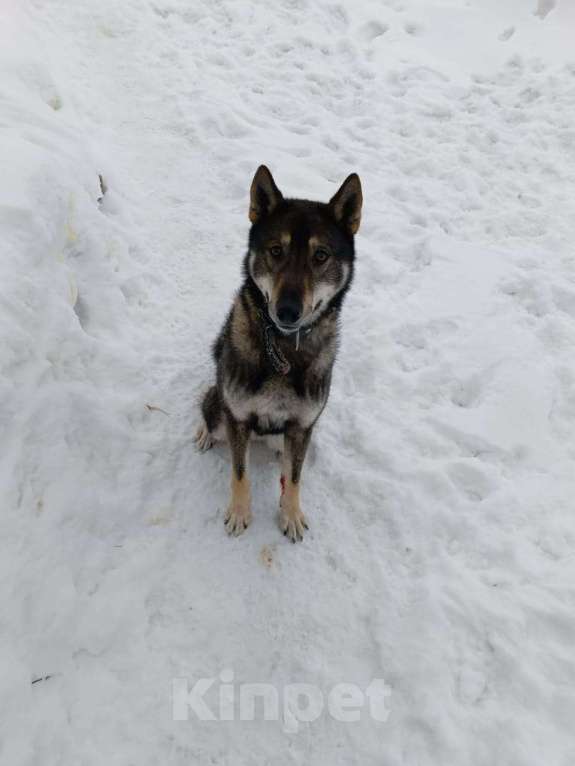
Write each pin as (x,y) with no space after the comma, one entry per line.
(275,353)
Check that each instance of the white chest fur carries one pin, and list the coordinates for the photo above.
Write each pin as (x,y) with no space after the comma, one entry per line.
(273,406)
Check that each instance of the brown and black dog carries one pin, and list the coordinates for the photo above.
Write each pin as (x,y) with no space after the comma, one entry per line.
(277,348)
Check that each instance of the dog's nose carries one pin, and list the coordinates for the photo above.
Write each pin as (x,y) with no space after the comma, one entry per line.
(289,309)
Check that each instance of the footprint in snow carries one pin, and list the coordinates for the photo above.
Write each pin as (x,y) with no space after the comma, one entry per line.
(471,685)
(413,28)
(529,295)
(372,30)
(419,335)
(471,481)
(468,392)
(544,7)
(339,14)
(564,300)
(507,33)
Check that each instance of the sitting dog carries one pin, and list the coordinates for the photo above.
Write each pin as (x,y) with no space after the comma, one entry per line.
(275,353)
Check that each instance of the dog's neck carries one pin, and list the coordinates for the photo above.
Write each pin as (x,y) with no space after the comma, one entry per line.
(279,345)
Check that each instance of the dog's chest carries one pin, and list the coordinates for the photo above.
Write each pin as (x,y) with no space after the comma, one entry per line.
(272,407)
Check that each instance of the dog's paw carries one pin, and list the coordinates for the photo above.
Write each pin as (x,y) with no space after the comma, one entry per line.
(203,439)
(292,523)
(238,518)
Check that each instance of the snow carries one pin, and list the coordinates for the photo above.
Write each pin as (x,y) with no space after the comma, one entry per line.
(440,484)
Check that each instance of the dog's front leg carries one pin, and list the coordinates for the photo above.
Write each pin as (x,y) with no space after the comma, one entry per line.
(239,513)
(292,520)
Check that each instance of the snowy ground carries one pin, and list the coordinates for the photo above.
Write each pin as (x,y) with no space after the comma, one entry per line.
(440,487)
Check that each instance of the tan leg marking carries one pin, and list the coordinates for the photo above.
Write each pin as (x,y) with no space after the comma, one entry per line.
(292,521)
(239,515)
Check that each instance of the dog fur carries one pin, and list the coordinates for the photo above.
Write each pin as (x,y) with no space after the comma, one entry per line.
(275,353)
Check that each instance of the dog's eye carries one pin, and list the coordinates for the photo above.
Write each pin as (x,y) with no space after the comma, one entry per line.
(275,251)
(321,255)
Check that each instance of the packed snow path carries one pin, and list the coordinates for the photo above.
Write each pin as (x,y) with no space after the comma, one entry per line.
(440,485)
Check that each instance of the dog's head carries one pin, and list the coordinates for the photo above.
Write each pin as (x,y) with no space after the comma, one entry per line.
(300,252)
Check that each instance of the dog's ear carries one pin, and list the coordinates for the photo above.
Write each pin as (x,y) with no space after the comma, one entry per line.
(346,204)
(264,194)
